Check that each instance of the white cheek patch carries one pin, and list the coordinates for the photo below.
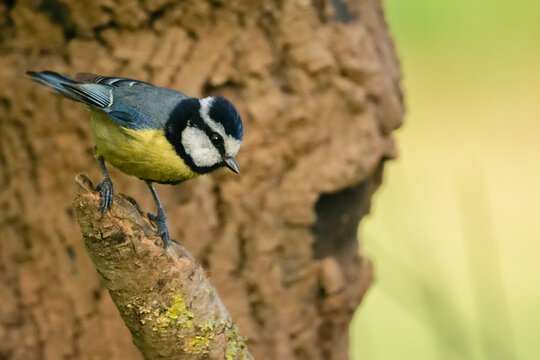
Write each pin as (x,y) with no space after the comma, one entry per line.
(199,147)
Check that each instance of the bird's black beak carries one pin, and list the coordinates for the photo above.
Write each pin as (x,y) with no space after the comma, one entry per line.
(231,163)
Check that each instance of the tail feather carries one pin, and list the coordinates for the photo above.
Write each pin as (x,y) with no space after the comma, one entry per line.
(56,82)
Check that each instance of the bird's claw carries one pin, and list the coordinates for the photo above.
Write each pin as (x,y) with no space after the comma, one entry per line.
(160,220)
(107,194)
(154,218)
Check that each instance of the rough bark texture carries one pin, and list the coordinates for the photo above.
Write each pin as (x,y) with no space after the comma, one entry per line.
(164,297)
(316,83)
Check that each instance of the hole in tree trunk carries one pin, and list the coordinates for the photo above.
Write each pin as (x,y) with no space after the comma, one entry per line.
(338,215)
(342,12)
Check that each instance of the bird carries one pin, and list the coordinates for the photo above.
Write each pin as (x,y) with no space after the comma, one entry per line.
(157,134)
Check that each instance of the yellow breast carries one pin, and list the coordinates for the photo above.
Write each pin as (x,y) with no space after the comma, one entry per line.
(143,153)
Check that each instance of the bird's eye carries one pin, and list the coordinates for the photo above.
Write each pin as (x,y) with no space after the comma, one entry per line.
(216,140)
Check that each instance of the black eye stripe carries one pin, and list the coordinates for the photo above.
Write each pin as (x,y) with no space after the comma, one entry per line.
(198,122)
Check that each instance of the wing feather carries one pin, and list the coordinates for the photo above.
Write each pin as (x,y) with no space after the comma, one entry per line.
(93,94)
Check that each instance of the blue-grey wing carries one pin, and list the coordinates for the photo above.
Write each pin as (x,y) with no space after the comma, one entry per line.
(130,103)
(137,104)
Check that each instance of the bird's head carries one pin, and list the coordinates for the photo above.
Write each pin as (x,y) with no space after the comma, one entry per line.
(206,133)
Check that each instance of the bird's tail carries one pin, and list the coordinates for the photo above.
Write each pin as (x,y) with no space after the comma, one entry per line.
(57,82)
(96,96)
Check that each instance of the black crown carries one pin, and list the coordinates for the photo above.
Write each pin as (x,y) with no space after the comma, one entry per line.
(224,112)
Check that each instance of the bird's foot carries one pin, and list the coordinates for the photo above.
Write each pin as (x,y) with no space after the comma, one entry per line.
(160,220)
(107,194)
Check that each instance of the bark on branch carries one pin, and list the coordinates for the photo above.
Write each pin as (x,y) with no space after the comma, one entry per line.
(165,299)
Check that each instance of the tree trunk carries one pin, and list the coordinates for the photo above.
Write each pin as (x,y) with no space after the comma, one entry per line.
(316,83)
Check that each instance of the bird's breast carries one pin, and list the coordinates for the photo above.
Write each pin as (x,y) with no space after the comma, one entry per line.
(144,153)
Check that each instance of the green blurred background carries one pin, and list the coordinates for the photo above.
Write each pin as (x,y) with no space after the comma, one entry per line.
(454,233)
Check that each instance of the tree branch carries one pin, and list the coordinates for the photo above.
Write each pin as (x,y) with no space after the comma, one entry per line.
(165,299)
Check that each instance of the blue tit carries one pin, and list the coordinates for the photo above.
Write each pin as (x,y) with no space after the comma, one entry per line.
(156,134)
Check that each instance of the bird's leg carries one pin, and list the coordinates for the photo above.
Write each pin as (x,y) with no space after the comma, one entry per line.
(106,187)
(161,218)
